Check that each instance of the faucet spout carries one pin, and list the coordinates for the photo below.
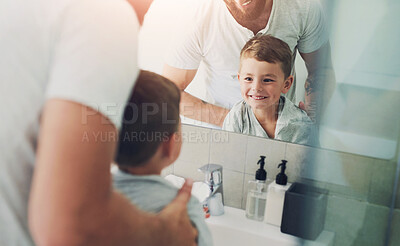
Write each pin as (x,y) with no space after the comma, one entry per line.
(213,179)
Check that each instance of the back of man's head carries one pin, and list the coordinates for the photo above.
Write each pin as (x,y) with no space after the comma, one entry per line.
(151,117)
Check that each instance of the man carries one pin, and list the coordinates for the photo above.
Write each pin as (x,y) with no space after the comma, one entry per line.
(220,33)
(67,69)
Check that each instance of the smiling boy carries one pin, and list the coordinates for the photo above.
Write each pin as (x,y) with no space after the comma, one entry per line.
(264,74)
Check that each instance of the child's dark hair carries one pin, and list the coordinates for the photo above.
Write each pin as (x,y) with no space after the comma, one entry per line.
(269,49)
(150,117)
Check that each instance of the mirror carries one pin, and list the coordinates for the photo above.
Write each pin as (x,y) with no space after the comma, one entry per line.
(362,116)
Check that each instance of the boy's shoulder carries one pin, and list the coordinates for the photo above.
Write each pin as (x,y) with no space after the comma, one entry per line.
(235,119)
(292,113)
(240,108)
(148,192)
(141,184)
(296,126)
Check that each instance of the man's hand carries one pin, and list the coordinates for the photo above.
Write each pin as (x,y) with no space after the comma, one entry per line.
(175,219)
(309,108)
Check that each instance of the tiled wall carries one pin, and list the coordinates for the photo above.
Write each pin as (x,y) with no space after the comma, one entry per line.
(360,188)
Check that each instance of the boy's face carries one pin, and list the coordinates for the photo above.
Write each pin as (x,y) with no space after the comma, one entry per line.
(261,83)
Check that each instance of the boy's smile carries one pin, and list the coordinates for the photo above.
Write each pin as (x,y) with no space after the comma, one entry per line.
(261,83)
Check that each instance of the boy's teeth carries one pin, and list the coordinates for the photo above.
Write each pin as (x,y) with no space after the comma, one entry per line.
(255,97)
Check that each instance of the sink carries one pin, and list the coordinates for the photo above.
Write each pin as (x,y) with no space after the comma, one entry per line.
(234,229)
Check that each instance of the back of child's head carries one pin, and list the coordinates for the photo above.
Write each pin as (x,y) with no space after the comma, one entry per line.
(269,49)
(150,117)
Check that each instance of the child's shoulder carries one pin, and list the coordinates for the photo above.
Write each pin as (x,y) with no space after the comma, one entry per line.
(234,120)
(239,108)
(139,183)
(293,113)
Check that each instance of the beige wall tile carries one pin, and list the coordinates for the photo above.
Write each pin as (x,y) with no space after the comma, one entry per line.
(345,192)
(247,178)
(233,188)
(188,169)
(272,149)
(373,231)
(351,173)
(298,157)
(382,181)
(395,235)
(196,144)
(228,149)
(345,217)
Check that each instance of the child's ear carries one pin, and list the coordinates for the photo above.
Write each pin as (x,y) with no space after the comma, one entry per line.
(287,84)
(238,75)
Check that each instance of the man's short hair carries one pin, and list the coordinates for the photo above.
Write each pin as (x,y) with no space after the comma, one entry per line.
(150,117)
(269,49)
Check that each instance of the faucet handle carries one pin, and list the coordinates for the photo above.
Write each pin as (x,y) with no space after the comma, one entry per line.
(213,173)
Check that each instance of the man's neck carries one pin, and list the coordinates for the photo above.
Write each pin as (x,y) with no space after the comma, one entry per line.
(257,24)
(140,7)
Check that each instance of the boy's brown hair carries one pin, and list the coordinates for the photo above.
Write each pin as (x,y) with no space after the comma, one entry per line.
(150,117)
(269,49)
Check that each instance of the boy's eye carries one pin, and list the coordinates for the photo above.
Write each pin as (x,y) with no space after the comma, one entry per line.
(248,79)
(268,80)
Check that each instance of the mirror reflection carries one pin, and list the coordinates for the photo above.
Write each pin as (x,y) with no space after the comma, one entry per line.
(248,81)
(197,44)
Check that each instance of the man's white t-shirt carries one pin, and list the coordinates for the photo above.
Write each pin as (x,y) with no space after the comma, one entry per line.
(216,39)
(79,50)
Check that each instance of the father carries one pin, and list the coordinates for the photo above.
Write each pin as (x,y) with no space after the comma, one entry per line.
(67,67)
(223,27)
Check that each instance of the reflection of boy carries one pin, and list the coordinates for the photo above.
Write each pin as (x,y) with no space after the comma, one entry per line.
(150,140)
(264,73)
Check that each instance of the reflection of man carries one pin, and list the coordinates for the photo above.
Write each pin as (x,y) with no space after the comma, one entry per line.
(220,33)
(57,57)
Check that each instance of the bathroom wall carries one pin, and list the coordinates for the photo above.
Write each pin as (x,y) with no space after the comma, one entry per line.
(360,188)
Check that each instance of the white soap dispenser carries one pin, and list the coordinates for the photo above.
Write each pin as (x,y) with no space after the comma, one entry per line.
(257,193)
(276,197)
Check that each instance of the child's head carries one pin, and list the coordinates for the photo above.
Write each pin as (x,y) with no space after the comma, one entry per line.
(151,125)
(264,73)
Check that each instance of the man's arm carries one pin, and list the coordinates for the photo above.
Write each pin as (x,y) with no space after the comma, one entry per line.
(320,82)
(190,106)
(72,201)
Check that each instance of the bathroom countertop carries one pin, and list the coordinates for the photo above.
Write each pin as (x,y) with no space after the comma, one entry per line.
(235,220)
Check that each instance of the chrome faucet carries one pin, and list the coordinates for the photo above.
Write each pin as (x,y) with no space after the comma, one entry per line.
(213,178)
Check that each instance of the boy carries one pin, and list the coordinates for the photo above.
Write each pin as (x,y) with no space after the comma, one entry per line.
(264,73)
(150,140)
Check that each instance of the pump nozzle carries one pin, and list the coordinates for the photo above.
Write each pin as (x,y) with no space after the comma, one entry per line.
(261,162)
(283,165)
(261,174)
(281,178)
